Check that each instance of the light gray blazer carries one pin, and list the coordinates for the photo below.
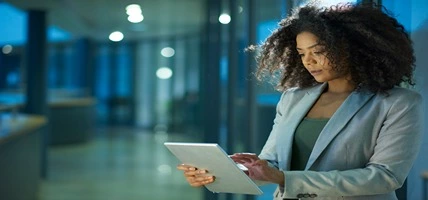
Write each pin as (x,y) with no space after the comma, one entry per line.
(365,151)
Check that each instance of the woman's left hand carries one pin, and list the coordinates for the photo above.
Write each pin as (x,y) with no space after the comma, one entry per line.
(259,169)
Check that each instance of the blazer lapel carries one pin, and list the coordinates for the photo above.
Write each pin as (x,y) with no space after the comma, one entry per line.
(337,122)
(299,107)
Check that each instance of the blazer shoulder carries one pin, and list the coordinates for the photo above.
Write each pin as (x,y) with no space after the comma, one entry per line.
(401,98)
(403,93)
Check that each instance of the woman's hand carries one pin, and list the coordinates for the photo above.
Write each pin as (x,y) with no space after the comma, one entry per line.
(259,169)
(196,177)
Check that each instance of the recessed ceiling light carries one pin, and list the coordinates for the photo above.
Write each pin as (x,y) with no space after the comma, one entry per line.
(224,18)
(133,9)
(135,18)
(7,49)
(116,36)
(164,73)
(167,52)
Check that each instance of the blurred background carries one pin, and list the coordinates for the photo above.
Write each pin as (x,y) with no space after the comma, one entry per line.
(91,89)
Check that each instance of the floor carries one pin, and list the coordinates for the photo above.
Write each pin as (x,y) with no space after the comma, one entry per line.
(122,163)
(118,163)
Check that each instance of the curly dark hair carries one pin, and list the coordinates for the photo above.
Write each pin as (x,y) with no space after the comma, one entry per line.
(362,39)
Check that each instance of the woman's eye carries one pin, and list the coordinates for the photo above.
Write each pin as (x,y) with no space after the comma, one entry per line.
(319,52)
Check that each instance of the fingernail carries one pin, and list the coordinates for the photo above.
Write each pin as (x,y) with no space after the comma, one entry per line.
(202,171)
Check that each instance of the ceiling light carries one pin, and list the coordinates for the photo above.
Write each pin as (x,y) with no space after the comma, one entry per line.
(224,18)
(133,9)
(135,18)
(167,52)
(164,73)
(116,36)
(7,49)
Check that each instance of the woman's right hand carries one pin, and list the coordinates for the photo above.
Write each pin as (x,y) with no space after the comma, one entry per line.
(196,177)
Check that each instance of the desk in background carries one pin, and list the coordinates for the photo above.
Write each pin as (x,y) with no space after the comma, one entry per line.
(71,120)
(21,155)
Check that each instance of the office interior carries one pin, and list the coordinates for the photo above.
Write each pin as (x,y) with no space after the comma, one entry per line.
(90,92)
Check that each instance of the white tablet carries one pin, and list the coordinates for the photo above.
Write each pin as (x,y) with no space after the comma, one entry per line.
(229,178)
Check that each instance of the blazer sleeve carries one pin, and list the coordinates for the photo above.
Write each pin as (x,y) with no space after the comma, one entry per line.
(396,149)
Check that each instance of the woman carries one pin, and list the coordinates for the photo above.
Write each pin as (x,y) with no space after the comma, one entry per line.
(343,128)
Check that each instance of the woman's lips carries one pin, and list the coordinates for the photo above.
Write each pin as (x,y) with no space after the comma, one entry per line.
(315,72)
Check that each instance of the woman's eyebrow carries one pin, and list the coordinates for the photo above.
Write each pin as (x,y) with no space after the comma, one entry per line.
(312,46)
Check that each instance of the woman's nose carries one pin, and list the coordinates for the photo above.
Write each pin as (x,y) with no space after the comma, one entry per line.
(308,60)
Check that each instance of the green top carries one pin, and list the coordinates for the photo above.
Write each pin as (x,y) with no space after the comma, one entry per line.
(304,140)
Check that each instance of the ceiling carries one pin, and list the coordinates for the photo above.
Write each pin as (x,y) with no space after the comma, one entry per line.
(96,19)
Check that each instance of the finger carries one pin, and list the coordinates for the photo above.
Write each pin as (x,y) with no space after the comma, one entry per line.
(237,157)
(243,160)
(251,156)
(186,167)
(197,181)
(191,180)
(200,181)
(237,160)
(195,172)
(246,156)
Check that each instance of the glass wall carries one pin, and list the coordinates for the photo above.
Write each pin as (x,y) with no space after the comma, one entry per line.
(412,14)
(114,82)
(163,100)
(13,74)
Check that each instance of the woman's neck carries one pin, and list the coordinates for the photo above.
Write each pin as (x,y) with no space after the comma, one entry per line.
(340,86)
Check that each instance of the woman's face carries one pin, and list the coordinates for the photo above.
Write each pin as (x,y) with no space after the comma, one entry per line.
(314,57)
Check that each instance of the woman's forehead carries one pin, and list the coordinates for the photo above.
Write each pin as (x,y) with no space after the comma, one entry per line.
(306,40)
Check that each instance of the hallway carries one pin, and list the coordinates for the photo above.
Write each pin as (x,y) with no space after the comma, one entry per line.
(118,163)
